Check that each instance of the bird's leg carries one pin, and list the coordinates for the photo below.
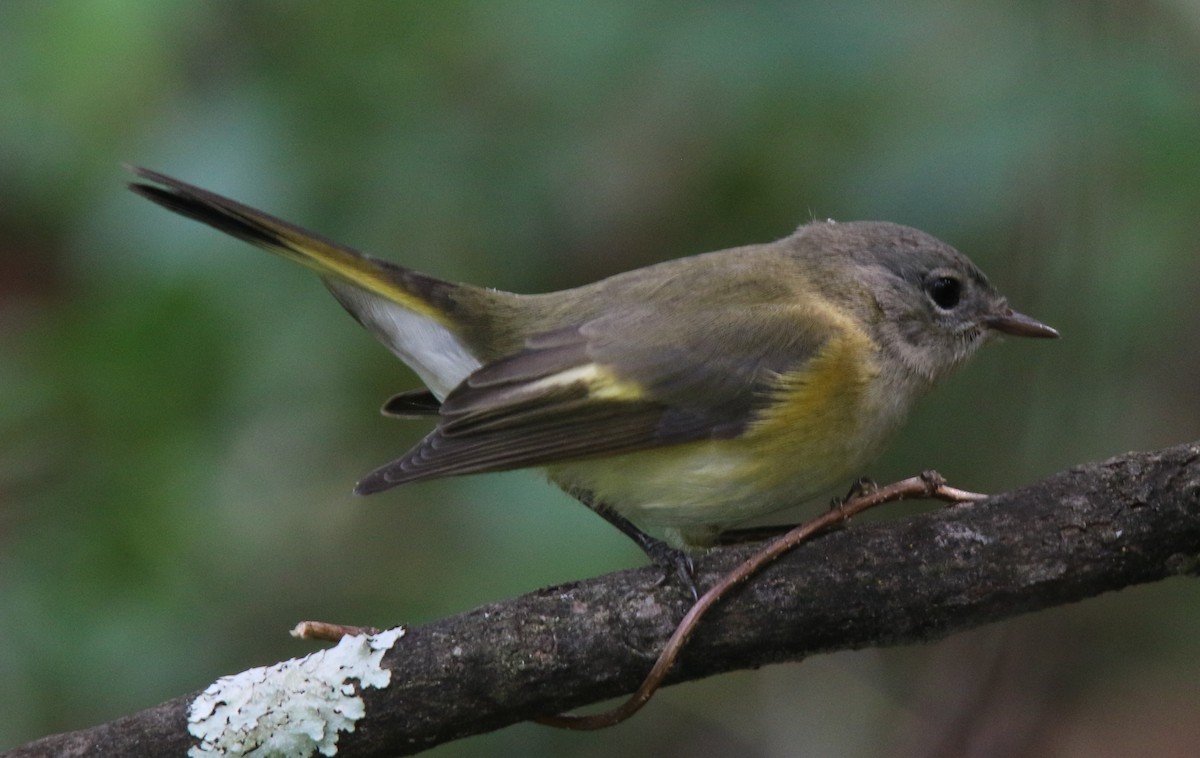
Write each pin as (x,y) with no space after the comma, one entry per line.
(864,485)
(668,558)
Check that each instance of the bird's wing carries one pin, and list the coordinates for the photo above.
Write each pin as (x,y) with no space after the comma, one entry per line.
(627,381)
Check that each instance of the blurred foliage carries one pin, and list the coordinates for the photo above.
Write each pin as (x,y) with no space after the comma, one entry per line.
(181,417)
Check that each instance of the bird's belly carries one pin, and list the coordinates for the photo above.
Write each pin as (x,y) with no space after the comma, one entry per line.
(712,484)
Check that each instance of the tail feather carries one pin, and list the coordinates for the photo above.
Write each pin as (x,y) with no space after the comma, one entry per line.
(415,291)
(413,314)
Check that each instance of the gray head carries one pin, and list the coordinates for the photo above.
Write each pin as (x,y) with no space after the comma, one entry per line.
(925,302)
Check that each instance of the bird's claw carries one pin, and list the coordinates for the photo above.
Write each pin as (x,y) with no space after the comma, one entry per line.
(673,561)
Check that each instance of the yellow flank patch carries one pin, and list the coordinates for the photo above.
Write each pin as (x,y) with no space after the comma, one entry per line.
(818,416)
(602,383)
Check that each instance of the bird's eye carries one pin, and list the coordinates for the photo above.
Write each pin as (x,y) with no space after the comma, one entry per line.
(945,292)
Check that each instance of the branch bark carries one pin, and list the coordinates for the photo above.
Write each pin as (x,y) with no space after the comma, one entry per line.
(1092,529)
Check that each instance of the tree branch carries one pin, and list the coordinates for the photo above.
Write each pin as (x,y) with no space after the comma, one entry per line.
(1079,533)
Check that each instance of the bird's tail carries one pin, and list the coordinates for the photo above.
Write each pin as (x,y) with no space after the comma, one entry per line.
(413,314)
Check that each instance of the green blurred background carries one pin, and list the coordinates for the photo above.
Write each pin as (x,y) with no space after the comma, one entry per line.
(182,417)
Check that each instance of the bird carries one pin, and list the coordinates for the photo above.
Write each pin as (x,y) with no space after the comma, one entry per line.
(683,398)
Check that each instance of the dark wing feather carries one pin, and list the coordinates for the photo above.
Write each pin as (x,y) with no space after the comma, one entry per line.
(418,403)
(610,386)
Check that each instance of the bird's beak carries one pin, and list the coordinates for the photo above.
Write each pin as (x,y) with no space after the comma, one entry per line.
(1018,324)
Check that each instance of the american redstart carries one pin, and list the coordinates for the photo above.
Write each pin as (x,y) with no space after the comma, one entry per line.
(690,395)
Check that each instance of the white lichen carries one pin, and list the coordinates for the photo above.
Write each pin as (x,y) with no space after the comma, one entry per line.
(294,708)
